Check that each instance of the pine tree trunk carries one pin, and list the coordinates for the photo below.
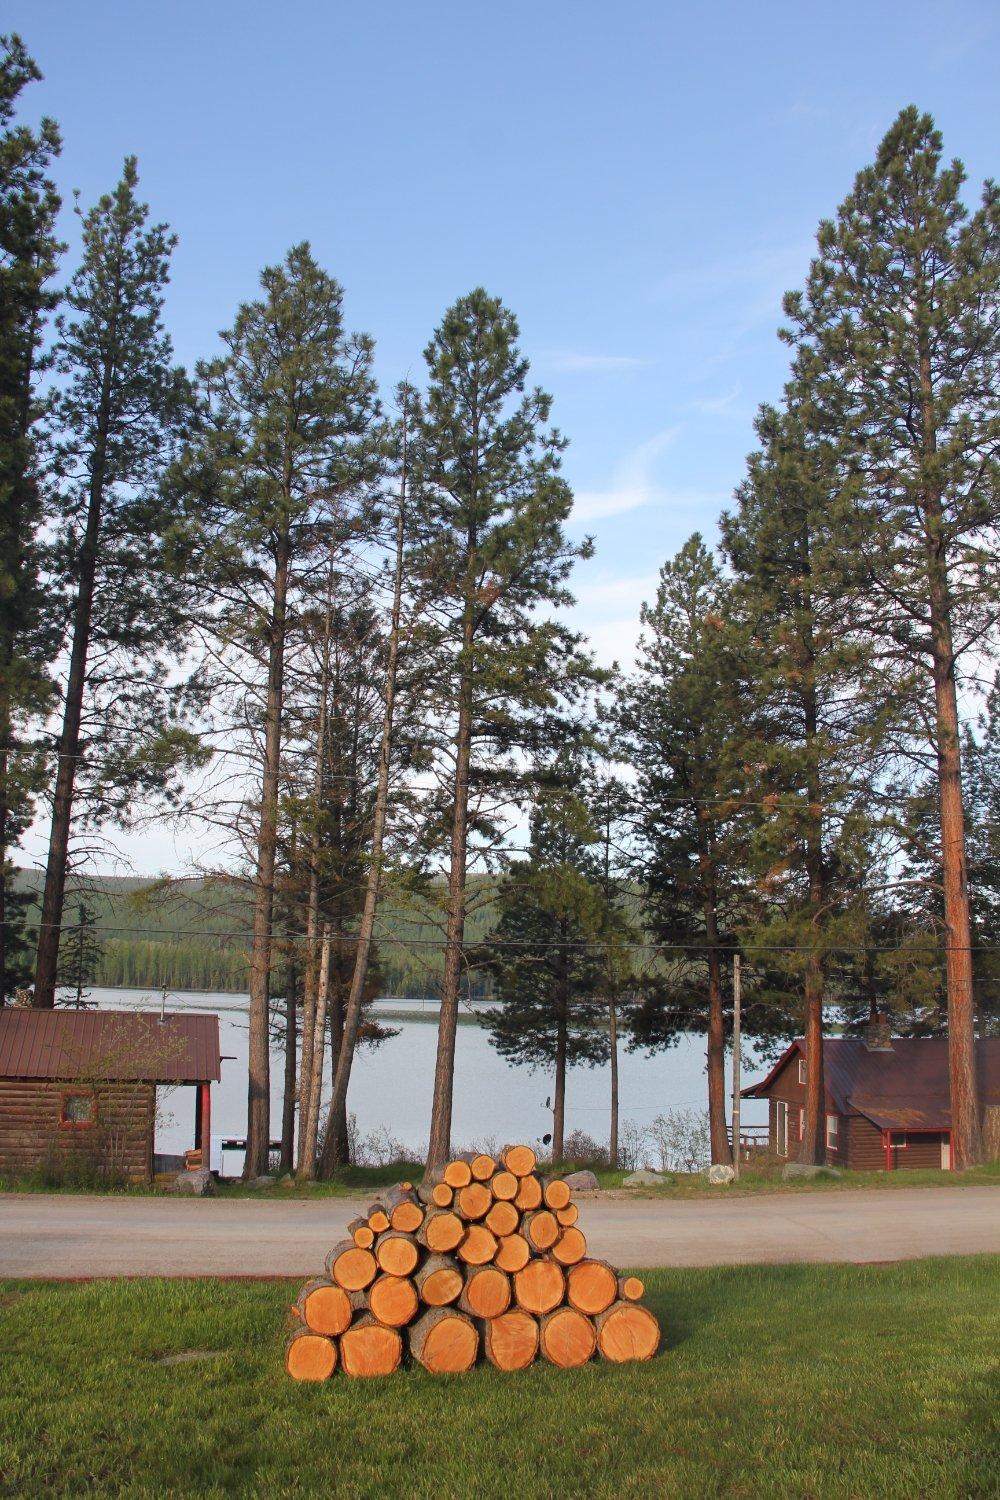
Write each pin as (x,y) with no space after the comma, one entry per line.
(288,1095)
(366,930)
(336,1144)
(966,1125)
(50,918)
(613,1046)
(716,1046)
(812,1149)
(259,1081)
(309,1131)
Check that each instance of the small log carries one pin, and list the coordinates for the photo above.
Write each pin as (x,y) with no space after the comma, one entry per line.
(425,1192)
(630,1288)
(458,1174)
(513,1254)
(486,1293)
(626,1331)
(324,1307)
(378,1218)
(393,1300)
(310,1356)
(481,1165)
(540,1230)
(518,1159)
(570,1247)
(504,1185)
(368,1348)
(439,1281)
(556,1192)
(443,1195)
(478,1247)
(403,1192)
(407,1216)
(540,1286)
(591,1286)
(441,1231)
(568,1215)
(510,1341)
(444,1341)
(350,1266)
(473,1202)
(567,1338)
(503,1218)
(529,1195)
(396,1253)
(361,1233)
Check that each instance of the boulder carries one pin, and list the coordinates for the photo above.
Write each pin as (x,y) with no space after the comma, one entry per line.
(262,1182)
(644,1178)
(200,1184)
(720,1173)
(799,1171)
(582,1182)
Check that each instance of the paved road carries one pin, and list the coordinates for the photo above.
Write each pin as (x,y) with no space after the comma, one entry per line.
(93,1236)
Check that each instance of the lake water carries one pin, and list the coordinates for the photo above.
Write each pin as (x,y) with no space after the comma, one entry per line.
(391,1086)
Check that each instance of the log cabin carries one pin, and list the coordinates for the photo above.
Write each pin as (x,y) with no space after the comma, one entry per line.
(887,1099)
(78,1087)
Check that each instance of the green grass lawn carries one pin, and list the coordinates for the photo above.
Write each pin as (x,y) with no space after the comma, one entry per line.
(877,1381)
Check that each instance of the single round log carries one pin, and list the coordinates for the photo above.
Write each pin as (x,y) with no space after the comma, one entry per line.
(570,1247)
(567,1338)
(444,1341)
(481,1165)
(378,1218)
(407,1216)
(403,1192)
(396,1253)
(393,1300)
(350,1266)
(503,1218)
(518,1159)
(310,1356)
(324,1307)
(568,1215)
(439,1281)
(441,1231)
(511,1340)
(425,1192)
(630,1288)
(473,1201)
(486,1293)
(513,1254)
(540,1230)
(478,1247)
(556,1192)
(540,1286)
(504,1185)
(591,1286)
(627,1331)
(529,1195)
(362,1233)
(442,1195)
(369,1348)
(458,1174)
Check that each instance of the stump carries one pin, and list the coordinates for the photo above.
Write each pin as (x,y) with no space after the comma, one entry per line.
(397,1253)
(626,1331)
(478,1247)
(486,1293)
(510,1341)
(567,1338)
(570,1247)
(439,1281)
(324,1307)
(351,1267)
(444,1341)
(441,1231)
(591,1286)
(309,1356)
(502,1219)
(367,1348)
(513,1254)
(540,1287)
(393,1300)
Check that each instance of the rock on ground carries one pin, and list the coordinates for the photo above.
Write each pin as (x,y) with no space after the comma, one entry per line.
(200,1184)
(793,1169)
(582,1182)
(720,1173)
(644,1178)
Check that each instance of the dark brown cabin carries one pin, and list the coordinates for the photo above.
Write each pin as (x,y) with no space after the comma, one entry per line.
(887,1099)
(78,1087)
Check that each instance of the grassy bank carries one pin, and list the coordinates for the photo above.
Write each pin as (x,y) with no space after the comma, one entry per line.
(828,1381)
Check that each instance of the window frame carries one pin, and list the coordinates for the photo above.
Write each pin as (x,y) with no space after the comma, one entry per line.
(78,1093)
(781,1127)
(832,1138)
(801,1075)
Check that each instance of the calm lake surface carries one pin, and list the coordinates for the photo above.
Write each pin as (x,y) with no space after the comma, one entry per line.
(391,1086)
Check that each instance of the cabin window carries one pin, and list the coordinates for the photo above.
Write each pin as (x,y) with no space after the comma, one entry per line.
(898,1140)
(833,1132)
(781,1127)
(78,1110)
(802,1070)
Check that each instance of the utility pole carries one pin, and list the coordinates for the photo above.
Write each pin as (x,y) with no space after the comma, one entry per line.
(736,1064)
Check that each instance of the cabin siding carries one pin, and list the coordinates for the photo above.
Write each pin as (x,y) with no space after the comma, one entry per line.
(865,1150)
(34,1136)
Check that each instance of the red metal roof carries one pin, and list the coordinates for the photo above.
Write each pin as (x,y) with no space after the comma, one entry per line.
(905,1088)
(109,1045)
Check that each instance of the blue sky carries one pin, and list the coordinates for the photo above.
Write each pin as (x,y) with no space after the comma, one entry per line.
(639,182)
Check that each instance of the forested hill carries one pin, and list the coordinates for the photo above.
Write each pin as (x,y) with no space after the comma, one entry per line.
(195,935)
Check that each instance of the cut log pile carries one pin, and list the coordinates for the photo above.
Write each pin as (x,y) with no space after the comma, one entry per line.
(485,1259)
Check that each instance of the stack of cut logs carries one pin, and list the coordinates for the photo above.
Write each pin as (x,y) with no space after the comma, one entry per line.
(485,1257)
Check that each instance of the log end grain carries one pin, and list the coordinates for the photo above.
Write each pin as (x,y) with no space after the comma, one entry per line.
(445,1342)
(540,1287)
(324,1307)
(626,1331)
(513,1253)
(479,1246)
(567,1338)
(486,1294)
(511,1340)
(473,1201)
(367,1348)
(591,1286)
(502,1219)
(570,1247)
(518,1159)
(310,1356)
(397,1254)
(393,1301)
(351,1267)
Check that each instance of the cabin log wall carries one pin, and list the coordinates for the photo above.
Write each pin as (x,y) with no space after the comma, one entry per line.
(33,1135)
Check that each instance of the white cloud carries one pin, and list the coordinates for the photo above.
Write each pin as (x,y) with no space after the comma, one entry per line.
(571,361)
(633,484)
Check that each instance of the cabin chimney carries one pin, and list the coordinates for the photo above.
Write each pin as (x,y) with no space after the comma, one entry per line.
(878,1037)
